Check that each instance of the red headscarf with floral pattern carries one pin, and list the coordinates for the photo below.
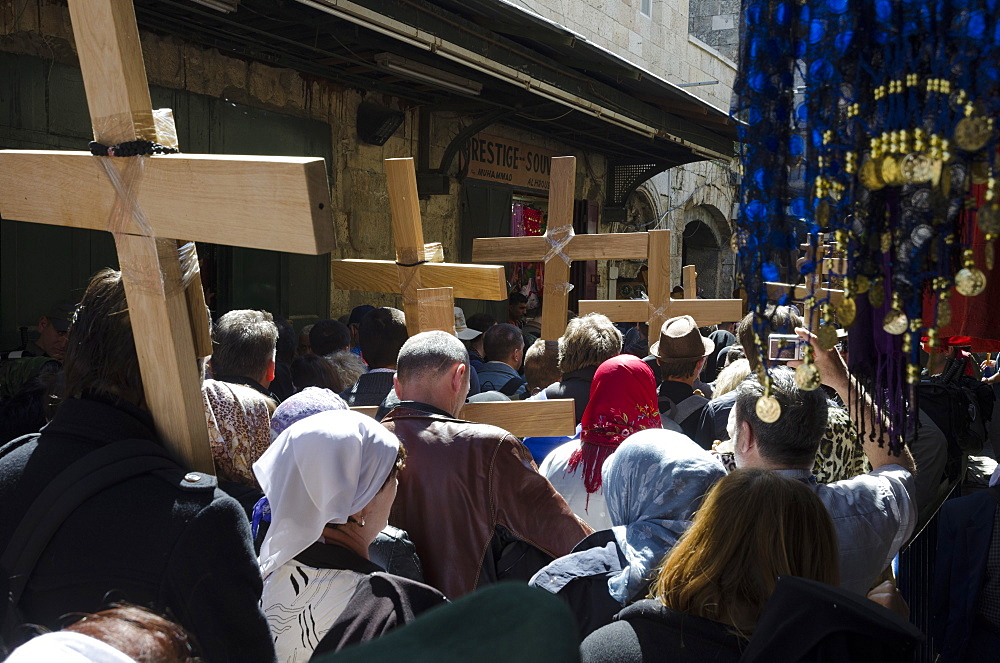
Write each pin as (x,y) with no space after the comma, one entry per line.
(622,401)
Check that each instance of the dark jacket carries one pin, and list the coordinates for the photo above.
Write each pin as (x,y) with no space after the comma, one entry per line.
(966,532)
(470,498)
(575,385)
(581,579)
(154,540)
(370,389)
(670,394)
(380,603)
(648,631)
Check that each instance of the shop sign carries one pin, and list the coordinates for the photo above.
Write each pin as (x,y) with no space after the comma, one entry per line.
(497,159)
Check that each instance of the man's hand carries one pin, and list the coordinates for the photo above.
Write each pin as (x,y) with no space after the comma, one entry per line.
(832,367)
(887,596)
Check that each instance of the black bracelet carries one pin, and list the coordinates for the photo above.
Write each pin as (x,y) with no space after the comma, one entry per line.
(132,148)
(412,264)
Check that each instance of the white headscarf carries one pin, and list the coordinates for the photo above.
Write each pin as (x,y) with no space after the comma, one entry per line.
(67,647)
(320,470)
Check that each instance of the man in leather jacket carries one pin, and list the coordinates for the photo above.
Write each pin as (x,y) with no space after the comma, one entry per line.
(470,496)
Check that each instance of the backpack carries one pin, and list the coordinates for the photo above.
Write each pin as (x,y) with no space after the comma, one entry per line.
(959,405)
(511,386)
(108,465)
(679,412)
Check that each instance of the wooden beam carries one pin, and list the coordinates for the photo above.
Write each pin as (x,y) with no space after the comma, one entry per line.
(689,279)
(658,287)
(107,41)
(165,348)
(436,309)
(469,281)
(562,187)
(274,203)
(550,418)
(605,246)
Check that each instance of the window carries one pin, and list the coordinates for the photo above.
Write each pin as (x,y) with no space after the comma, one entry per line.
(646,7)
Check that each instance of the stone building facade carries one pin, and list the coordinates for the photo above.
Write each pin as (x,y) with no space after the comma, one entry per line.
(692,43)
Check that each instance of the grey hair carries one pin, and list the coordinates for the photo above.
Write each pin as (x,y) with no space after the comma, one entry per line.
(429,354)
(588,341)
(244,342)
(794,438)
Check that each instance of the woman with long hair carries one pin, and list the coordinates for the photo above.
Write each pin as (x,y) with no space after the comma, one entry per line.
(753,526)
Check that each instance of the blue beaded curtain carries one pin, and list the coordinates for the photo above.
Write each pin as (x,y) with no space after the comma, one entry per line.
(868,121)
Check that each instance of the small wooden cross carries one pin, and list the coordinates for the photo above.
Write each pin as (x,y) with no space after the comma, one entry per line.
(558,247)
(260,202)
(814,288)
(660,306)
(423,284)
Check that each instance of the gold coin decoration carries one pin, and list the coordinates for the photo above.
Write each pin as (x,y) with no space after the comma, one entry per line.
(847,310)
(980,171)
(970,281)
(890,172)
(895,322)
(946,181)
(822,212)
(870,177)
(916,167)
(972,133)
(768,409)
(988,219)
(862,284)
(827,335)
(876,296)
(807,378)
(944,313)
(886,242)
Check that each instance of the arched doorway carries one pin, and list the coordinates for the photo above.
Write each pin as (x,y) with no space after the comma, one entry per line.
(701,247)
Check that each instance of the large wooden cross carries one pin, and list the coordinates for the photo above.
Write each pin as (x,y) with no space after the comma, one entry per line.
(428,288)
(260,202)
(558,247)
(659,307)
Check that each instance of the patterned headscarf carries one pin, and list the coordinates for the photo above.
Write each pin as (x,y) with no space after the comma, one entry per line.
(309,401)
(622,402)
(653,484)
(238,419)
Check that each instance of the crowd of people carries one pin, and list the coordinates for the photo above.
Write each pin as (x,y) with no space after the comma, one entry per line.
(676,524)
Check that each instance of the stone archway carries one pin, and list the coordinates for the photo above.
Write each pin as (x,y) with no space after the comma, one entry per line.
(701,246)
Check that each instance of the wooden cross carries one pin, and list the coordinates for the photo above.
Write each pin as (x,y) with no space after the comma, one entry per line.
(558,247)
(814,287)
(660,306)
(551,418)
(411,274)
(259,202)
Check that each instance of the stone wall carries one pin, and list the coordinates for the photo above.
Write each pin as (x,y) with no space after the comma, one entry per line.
(659,43)
(716,23)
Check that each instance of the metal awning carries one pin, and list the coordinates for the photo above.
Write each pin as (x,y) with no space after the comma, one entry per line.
(487,58)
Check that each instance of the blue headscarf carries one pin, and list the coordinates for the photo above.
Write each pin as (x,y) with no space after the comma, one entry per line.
(653,484)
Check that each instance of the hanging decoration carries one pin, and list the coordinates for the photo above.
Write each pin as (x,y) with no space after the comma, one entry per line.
(872,124)
(527,277)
